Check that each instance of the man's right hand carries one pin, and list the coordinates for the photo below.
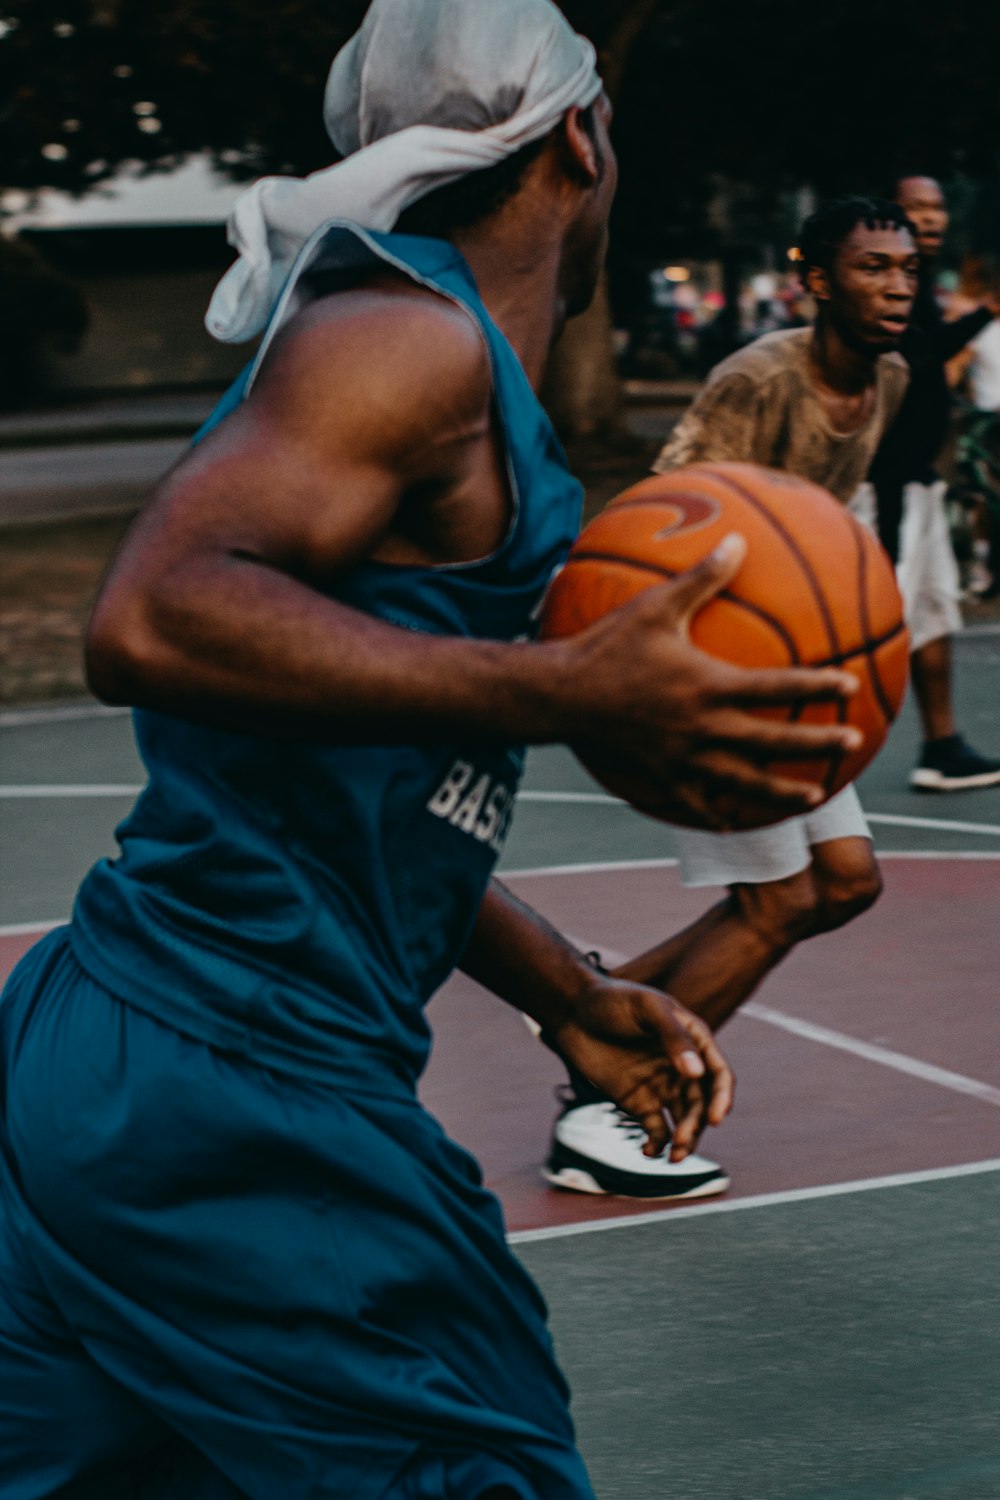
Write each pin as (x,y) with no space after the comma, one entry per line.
(647,701)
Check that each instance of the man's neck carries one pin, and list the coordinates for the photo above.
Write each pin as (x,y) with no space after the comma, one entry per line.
(517,273)
(837,365)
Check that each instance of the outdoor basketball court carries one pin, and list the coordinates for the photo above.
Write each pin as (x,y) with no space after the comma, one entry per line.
(827,1331)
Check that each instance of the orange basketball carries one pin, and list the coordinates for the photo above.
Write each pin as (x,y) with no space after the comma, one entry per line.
(816,589)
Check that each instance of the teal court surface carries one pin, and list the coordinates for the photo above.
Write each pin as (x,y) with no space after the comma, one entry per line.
(829,1330)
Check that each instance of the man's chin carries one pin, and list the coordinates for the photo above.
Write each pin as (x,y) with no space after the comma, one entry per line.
(885,336)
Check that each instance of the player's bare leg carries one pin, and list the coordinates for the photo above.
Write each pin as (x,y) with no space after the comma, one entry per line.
(712,967)
(930,673)
(716,963)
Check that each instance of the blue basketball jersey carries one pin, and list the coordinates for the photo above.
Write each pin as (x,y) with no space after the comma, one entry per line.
(297,901)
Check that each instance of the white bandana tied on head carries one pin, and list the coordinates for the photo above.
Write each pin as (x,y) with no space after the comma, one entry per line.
(425,92)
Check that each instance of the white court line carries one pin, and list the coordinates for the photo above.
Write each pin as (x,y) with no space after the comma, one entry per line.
(23,929)
(886,1057)
(610,866)
(83,789)
(17,718)
(758,1200)
(604,798)
(128,789)
(946,825)
(883,854)
(595,867)
(871,1052)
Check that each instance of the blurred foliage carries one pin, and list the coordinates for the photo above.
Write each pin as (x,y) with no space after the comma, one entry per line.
(88,84)
(41,312)
(711,95)
(842,98)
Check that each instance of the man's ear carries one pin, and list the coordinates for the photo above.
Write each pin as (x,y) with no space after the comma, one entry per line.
(579,146)
(818,283)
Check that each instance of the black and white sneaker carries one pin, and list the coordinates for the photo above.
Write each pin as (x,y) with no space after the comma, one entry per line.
(950,765)
(597,1148)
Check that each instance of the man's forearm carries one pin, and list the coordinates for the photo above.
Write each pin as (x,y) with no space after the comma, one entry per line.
(519,956)
(275,656)
(950,338)
(228,639)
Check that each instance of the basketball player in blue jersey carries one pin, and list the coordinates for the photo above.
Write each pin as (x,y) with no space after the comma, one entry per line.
(237,1258)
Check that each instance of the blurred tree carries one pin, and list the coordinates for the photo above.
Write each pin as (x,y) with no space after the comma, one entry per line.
(710,98)
(41,311)
(582,390)
(775,93)
(86,85)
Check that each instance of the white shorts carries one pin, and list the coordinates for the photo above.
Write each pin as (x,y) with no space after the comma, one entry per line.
(764,854)
(927,572)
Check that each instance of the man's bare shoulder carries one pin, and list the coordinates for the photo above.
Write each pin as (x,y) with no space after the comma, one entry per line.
(389,350)
(766,358)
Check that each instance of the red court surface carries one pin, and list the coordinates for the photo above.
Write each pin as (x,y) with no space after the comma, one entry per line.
(917,980)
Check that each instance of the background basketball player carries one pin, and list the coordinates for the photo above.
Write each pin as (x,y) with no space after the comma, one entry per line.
(814,401)
(910,495)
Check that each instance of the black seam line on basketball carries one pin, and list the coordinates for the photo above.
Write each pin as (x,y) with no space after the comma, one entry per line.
(794,548)
(661,571)
(837,659)
(873,672)
(864,648)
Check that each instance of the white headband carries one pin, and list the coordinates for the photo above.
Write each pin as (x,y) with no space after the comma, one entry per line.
(481,78)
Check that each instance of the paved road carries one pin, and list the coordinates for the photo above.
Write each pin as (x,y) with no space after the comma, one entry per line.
(47,484)
(58,479)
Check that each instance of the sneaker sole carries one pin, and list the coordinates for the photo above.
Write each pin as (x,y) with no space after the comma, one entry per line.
(576,1180)
(937,781)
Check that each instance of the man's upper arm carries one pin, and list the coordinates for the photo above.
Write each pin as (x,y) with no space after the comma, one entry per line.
(359,400)
(951,337)
(722,424)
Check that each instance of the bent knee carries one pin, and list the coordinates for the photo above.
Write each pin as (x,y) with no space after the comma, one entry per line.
(844,895)
(818,899)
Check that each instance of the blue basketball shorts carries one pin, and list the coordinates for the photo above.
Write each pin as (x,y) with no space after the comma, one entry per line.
(220,1282)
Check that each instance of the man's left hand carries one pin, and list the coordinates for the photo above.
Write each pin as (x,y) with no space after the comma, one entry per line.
(649,1054)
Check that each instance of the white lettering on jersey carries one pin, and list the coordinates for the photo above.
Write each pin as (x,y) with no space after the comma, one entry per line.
(483,809)
(446,798)
(489,824)
(471,806)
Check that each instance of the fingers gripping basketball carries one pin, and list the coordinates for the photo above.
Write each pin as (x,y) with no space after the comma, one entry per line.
(816,589)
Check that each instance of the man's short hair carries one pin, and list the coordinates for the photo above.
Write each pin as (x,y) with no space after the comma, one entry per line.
(825,231)
(477,195)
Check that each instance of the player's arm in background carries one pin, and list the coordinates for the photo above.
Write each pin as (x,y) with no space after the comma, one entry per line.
(639,1046)
(965,319)
(216,606)
(729,421)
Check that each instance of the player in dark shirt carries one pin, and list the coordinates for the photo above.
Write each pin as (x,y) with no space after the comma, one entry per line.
(910,504)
